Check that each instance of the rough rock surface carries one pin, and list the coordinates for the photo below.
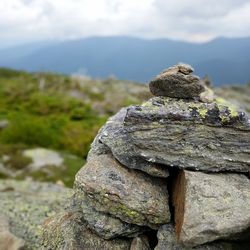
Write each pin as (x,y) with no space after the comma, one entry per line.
(26,204)
(178,82)
(127,194)
(210,206)
(68,231)
(167,240)
(115,124)
(103,224)
(140,243)
(8,241)
(181,133)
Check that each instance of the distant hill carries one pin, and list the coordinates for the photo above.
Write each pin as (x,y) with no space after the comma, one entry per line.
(226,61)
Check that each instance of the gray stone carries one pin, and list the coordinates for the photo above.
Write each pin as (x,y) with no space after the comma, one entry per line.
(42,157)
(181,133)
(116,123)
(209,207)
(103,224)
(4,124)
(178,82)
(140,243)
(9,241)
(167,241)
(67,231)
(27,204)
(127,194)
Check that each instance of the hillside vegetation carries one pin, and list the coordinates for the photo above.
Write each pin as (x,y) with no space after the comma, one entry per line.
(63,113)
(57,112)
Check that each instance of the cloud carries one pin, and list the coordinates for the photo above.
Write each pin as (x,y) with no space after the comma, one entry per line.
(193,20)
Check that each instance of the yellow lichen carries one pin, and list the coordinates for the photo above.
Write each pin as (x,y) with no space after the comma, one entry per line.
(222,103)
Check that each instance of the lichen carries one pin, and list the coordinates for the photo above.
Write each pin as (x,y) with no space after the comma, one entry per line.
(222,104)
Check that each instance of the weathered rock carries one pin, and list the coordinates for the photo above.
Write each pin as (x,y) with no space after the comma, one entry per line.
(140,243)
(211,137)
(4,124)
(210,206)
(27,204)
(42,157)
(8,241)
(178,82)
(127,194)
(115,123)
(167,240)
(67,231)
(103,224)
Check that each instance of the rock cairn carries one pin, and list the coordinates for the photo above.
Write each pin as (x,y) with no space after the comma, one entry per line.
(172,173)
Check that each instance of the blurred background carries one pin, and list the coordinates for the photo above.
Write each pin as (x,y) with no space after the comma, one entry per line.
(67,65)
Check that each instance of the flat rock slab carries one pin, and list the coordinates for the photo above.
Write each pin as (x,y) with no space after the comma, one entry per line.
(67,230)
(127,194)
(103,224)
(211,137)
(115,126)
(27,204)
(210,206)
(167,240)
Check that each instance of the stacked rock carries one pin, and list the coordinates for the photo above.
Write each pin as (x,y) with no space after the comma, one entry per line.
(172,173)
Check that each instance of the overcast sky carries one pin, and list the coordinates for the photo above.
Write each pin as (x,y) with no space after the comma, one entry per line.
(191,20)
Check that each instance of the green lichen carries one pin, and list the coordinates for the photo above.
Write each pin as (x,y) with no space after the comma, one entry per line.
(201,109)
(27,204)
(222,103)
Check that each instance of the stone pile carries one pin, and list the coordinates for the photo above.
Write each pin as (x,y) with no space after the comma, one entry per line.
(172,173)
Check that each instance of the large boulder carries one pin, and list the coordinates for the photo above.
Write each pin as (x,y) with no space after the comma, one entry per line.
(127,194)
(209,207)
(188,134)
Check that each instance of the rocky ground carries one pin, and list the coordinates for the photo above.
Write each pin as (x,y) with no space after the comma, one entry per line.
(23,208)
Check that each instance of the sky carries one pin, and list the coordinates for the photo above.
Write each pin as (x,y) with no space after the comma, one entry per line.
(25,21)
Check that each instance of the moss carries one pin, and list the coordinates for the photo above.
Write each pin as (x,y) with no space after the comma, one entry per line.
(72,166)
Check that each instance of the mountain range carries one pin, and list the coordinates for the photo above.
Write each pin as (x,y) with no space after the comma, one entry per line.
(224,60)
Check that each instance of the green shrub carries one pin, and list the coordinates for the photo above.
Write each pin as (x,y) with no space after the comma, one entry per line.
(83,112)
(9,73)
(32,130)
